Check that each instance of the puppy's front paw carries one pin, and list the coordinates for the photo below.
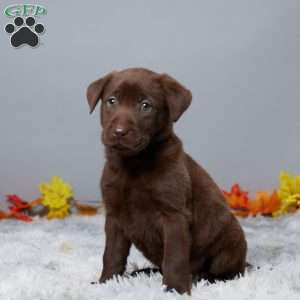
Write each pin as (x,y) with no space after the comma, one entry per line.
(104,278)
(181,287)
(101,280)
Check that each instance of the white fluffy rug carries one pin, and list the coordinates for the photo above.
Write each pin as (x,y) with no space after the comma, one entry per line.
(58,260)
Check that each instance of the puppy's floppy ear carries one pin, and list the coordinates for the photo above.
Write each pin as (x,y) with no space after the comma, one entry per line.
(177,96)
(95,90)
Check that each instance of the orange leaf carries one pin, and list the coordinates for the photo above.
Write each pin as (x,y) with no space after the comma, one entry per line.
(264,203)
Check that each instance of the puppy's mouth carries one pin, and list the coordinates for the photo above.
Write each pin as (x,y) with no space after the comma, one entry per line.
(126,148)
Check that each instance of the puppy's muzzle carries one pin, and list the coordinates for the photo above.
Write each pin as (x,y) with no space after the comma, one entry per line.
(120,132)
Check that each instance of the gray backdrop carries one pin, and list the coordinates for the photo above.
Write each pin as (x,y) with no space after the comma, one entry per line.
(239,58)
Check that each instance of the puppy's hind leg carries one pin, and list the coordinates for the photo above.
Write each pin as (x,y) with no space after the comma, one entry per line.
(228,263)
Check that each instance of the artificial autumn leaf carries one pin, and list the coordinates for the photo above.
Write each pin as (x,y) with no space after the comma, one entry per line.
(242,206)
(18,208)
(288,193)
(3,215)
(56,196)
(264,203)
(237,198)
(86,209)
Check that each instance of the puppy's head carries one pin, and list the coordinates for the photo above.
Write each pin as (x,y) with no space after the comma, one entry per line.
(137,106)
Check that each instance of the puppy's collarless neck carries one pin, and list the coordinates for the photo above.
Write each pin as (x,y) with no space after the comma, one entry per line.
(158,150)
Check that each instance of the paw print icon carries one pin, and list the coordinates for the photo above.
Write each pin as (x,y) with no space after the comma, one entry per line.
(24,32)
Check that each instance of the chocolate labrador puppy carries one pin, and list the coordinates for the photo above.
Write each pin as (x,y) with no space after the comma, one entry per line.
(156,196)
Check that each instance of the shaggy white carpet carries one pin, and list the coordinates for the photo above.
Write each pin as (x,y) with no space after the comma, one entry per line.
(58,260)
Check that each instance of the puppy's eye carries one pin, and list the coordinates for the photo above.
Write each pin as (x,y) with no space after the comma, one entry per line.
(111,102)
(146,106)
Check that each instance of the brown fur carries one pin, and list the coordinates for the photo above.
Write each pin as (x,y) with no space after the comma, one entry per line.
(156,196)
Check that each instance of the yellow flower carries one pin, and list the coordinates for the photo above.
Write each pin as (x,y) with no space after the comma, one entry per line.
(56,196)
(288,193)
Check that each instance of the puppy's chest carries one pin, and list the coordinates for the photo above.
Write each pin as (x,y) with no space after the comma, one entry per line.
(135,207)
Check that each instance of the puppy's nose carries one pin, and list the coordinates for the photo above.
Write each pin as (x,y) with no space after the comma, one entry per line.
(120,132)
